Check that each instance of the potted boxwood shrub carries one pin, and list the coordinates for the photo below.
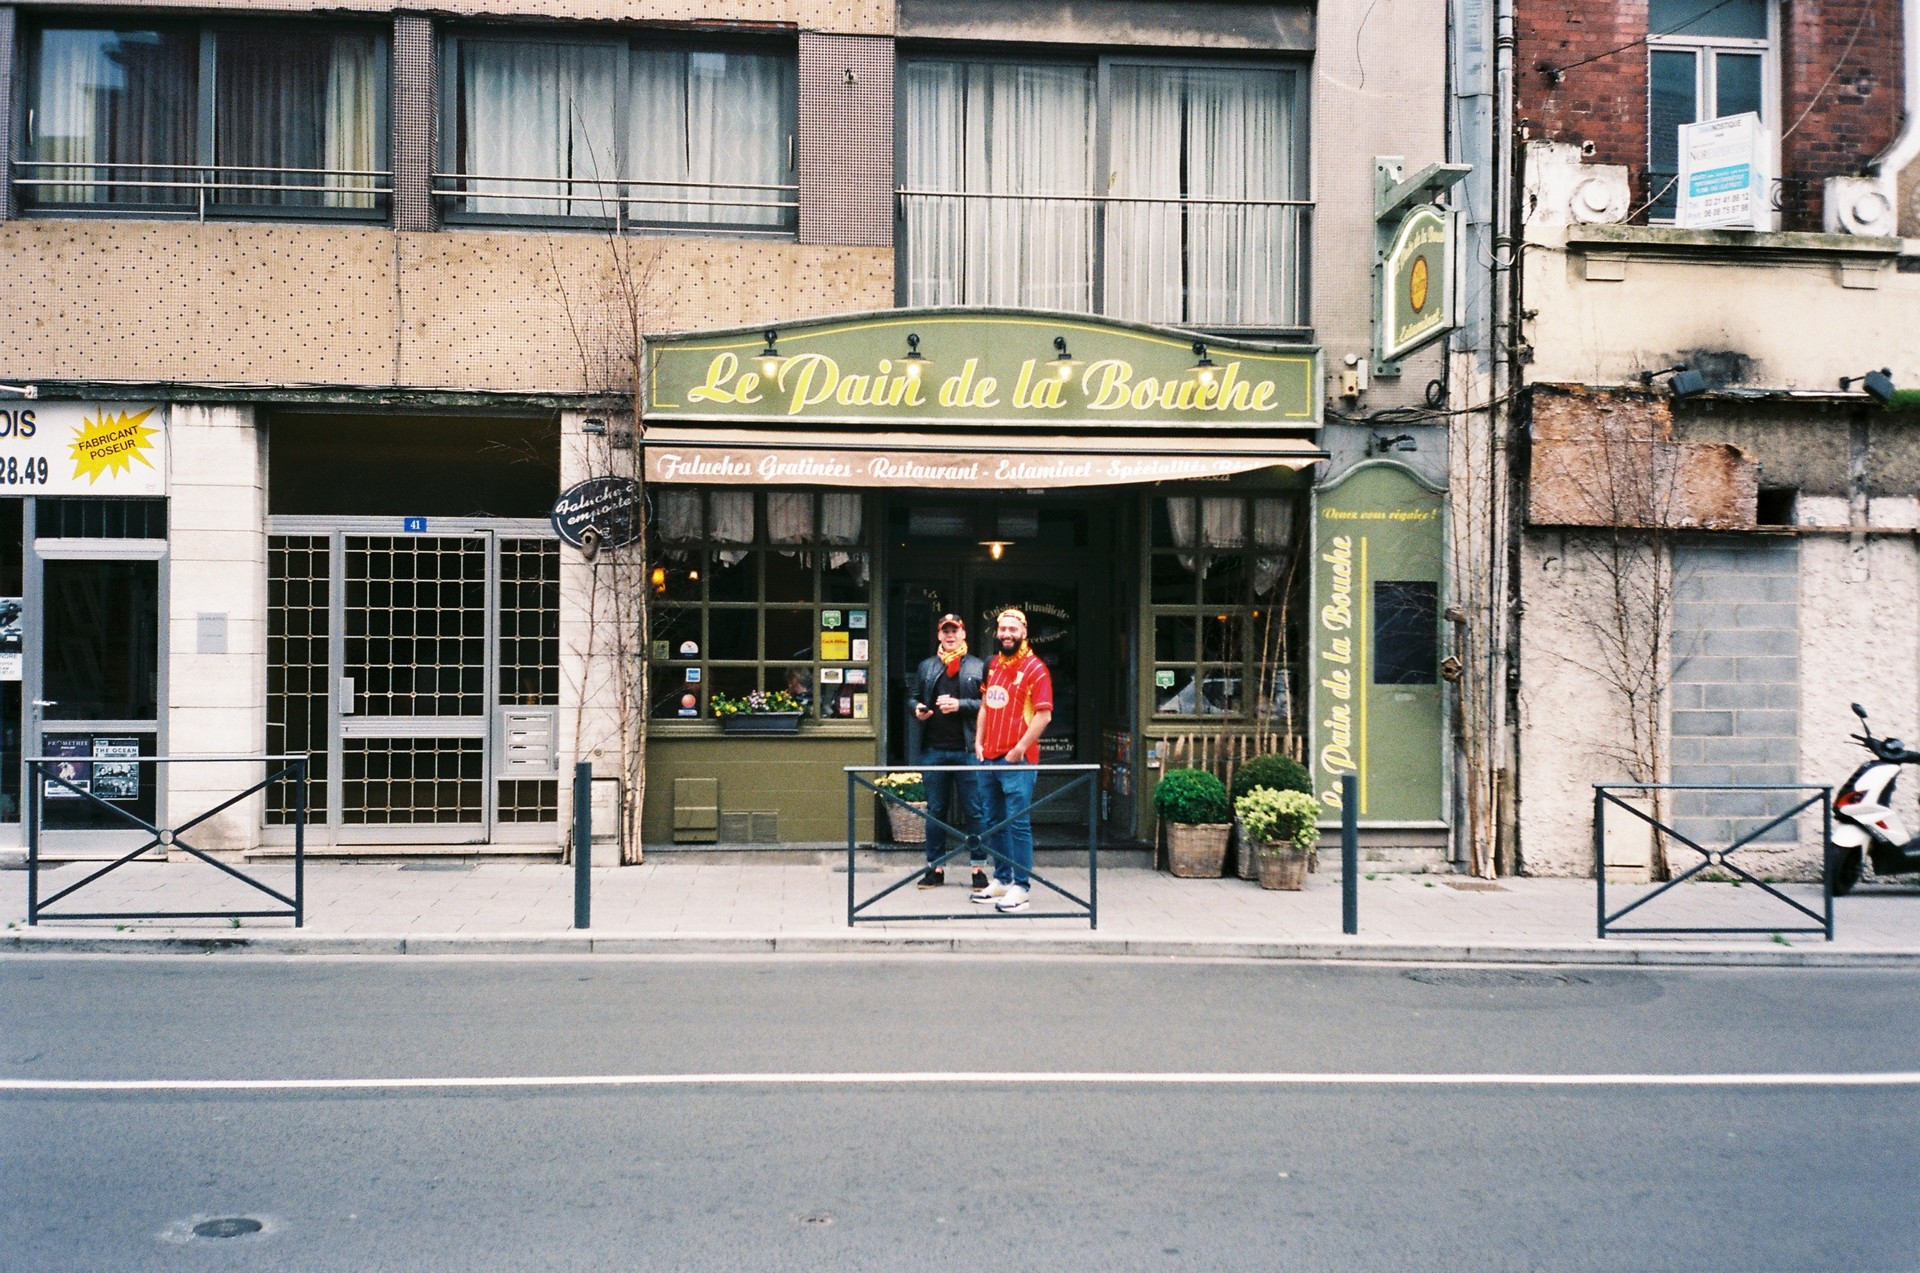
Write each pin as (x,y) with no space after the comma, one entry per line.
(1276,773)
(1193,804)
(1283,827)
(911,789)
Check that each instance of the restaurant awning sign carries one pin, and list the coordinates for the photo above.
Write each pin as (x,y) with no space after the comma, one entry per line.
(978,368)
(1416,283)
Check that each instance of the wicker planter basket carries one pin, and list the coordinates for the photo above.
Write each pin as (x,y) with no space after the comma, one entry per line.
(1282,868)
(907,828)
(1197,851)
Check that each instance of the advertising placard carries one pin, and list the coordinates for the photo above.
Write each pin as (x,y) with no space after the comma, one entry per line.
(1416,300)
(1723,179)
(83,448)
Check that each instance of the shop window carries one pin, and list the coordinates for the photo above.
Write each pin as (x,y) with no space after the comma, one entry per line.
(606,130)
(206,118)
(1220,575)
(1406,632)
(1180,200)
(753,592)
(100,517)
(1706,59)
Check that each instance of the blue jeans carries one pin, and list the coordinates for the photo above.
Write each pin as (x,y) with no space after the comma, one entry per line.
(941,790)
(1009,796)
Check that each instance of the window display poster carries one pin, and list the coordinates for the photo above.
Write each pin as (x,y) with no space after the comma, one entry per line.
(70,763)
(116,768)
(860,648)
(12,644)
(834,645)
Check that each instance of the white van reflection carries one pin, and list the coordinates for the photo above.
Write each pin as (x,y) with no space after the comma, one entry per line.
(1218,696)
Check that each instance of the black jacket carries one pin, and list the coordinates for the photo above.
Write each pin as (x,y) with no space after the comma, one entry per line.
(973,671)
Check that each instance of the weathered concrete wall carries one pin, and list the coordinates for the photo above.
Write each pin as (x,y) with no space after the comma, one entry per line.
(1776,311)
(1573,729)
(868,17)
(291,305)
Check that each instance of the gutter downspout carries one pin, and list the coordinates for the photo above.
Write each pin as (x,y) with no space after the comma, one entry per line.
(1905,148)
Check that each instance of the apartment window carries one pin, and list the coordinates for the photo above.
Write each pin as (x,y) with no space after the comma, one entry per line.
(1220,569)
(206,119)
(606,130)
(1160,193)
(1705,60)
(758,591)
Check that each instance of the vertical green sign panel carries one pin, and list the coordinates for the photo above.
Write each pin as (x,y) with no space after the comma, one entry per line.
(1379,547)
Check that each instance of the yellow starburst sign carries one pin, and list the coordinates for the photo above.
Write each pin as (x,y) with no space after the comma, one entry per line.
(108,443)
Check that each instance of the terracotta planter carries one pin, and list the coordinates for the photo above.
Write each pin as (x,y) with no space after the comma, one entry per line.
(1282,868)
(1197,851)
(906,827)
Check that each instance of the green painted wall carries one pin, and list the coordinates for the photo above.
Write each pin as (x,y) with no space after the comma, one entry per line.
(801,778)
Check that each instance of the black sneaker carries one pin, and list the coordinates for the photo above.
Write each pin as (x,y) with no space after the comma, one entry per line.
(979,878)
(934,877)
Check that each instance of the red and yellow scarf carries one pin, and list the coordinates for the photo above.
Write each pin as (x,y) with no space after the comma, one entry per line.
(951,660)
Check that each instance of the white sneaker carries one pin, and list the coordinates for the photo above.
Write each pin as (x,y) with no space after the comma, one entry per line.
(1015,899)
(991,894)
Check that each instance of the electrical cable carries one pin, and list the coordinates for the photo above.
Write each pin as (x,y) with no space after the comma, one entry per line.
(1559,71)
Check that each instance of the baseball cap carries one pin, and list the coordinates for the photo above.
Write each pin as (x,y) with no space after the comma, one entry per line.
(949,621)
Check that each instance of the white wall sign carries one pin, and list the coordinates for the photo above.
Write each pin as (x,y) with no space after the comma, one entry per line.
(1723,174)
(83,448)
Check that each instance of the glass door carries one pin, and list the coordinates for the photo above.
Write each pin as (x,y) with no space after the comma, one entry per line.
(97,697)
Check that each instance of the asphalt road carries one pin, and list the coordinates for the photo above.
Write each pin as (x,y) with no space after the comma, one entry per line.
(917,1172)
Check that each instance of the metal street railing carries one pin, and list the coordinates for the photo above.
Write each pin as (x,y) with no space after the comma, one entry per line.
(293,770)
(977,843)
(1609,924)
(198,190)
(626,202)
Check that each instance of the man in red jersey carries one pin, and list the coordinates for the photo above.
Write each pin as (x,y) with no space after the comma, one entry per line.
(1016,702)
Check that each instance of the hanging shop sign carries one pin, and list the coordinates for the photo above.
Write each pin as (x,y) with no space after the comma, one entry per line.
(1378,547)
(601,512)
(1723,178)
(980,367)
(1416,281)
(83,448)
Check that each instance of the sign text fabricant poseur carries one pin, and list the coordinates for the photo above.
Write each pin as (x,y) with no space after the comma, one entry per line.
(83,448)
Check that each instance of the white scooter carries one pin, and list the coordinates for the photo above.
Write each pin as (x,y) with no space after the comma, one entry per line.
(1863,816)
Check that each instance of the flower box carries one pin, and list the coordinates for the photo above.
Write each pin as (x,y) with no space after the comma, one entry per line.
(761,723)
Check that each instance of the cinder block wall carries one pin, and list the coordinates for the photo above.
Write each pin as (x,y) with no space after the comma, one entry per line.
(1735,699)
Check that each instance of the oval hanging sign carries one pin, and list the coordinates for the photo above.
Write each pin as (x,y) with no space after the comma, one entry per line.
(601,512)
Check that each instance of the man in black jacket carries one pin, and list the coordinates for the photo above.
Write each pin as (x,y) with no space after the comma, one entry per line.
(946,700)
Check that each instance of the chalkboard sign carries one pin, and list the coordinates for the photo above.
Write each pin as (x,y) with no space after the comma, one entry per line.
(609,507)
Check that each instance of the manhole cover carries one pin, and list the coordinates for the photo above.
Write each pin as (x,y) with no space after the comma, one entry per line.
(1476,886)
(227,1227)
(1488,978)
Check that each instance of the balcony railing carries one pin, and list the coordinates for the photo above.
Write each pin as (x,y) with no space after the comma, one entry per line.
(200,191)
(624,203)
(1199,262)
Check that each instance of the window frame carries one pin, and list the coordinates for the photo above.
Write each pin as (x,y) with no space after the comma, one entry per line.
(206,30)
(1301,178)
(448,200)
(764,664)
(1705,50)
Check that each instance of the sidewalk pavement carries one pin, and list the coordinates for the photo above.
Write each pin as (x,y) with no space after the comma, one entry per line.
(670,906)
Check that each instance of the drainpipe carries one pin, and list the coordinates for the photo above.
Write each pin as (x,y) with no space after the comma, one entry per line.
(1906,147)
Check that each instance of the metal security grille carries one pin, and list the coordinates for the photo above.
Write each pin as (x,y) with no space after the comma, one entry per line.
(529,622)
(416,625)
(412,781)
(528,800)
(299,607)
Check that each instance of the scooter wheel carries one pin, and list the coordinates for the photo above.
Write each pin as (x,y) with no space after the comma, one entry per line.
(1845,865)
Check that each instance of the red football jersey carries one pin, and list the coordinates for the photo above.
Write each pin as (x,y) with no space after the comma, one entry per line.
(1014,691)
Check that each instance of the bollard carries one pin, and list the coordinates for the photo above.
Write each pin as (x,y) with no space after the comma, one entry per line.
(1349,854)
(582,844)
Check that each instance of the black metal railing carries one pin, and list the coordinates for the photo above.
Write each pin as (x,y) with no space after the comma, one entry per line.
(977,842)
(1722,858)
(292,770)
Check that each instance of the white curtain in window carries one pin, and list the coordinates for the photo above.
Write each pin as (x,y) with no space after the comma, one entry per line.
(710,119)
(730,521)
(114,97)
(1223,522)
(987,129)
(350,143)
(286,105)
(539,109)
(1272,529)
(790,517)
(676,515)
(1187,136)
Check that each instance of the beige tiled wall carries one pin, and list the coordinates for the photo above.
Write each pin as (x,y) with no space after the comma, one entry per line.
(284,305)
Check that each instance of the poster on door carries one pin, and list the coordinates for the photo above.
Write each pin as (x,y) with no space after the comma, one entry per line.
(83,448)
(12,641)
(69,772)
(116,768)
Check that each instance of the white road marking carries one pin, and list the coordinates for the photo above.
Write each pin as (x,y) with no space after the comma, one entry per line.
(1891,1078)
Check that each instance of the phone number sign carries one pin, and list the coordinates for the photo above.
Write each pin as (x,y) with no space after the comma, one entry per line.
(83,448)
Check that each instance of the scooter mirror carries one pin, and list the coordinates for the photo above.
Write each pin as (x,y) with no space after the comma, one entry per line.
(1859,711)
